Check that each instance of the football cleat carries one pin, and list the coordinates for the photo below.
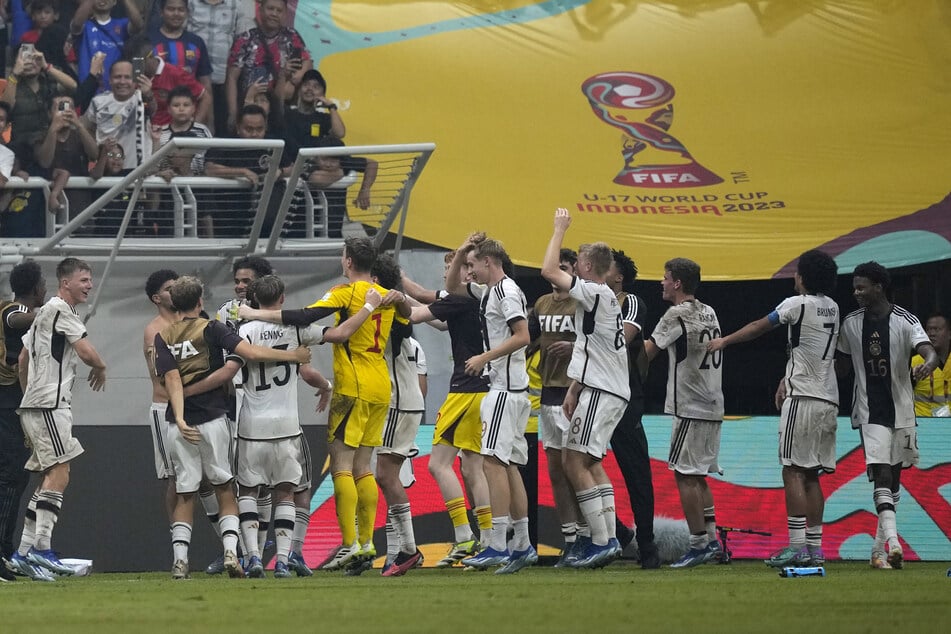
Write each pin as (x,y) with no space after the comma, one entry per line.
(519,559)
(339,557)
(281,570)
(216,567)
(255,568)
(879,561)
(48,559)
(232,565)
(594,556)
(357,567)
(295,562)
(366,552)
(789,556)
(180,570)
(403,563)
(698,556)
(816,557)
(487,558)
(896,556)
(28,569)
(650,557)
(458,552)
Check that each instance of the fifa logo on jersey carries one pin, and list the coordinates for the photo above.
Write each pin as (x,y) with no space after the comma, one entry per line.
(184,350)
(557,323)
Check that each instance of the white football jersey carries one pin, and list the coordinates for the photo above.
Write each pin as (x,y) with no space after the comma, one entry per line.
(881,351)
(694,387)
(599,355)
(405,369)
(501,304)
(49,342)
(813,329)
(269,407)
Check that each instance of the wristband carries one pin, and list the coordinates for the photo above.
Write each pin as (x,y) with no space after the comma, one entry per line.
(370,307)
(327,388)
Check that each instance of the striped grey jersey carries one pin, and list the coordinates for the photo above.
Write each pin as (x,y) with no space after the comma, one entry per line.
(813,329)
(49,342)
(500,305)
(599,356)
(694,378)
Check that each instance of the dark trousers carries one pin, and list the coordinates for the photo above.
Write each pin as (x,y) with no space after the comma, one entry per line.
(629,443)
(529,473)
(13,477)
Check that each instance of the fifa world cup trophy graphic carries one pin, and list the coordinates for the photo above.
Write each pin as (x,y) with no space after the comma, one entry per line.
(639,105)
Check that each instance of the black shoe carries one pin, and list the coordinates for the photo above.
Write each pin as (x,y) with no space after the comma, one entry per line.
(650,558)
(624,534)
(6,575)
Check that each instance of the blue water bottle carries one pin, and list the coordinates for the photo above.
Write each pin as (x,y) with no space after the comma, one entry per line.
(803,571)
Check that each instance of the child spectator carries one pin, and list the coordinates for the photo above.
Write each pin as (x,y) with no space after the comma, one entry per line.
(111,162)
(333,175)
(102,32)
(181,105)
(263,53)
(159,78)
(67,148)
(179,47)
(47,35)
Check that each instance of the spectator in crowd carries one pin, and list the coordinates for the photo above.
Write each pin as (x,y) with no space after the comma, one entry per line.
(181,106)
(333,174)
(121,114)
(67,149)
(30,88)
(179,47)
(313,117)
(259,94)
(111,162)
(218,22)
(931,392)
(159,77)
(94,29)
(262,54)
(18,18)
(235,217)
(21,211)
(47,34)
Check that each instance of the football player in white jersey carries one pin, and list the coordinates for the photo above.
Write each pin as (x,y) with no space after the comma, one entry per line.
(272,452)
(505,408)
(47,368)
(407,406)
(694,399)
(599,390)
(809,400)
(879,339)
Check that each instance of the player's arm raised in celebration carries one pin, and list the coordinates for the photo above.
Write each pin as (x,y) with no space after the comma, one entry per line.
(550,271)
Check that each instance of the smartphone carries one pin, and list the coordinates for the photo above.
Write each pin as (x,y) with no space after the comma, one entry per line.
(137,64)
(63,106)
(27,51)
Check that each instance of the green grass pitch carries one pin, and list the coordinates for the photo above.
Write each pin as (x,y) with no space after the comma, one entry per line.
(741,597)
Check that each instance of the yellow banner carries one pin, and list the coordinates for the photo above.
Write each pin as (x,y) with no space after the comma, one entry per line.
(737,134)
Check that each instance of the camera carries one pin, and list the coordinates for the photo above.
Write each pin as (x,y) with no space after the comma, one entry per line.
(27,51)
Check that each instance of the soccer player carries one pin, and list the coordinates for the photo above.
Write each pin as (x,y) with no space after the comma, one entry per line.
(47,369)
(157,290)
(629,441)
(931,392)
(599,389)
(694,399)
(808,420)
(458,429)
(407,406)
(272,452)
(505,409)
(200,445)
(29,293)
(552,325)
(361,394)
(879,339)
